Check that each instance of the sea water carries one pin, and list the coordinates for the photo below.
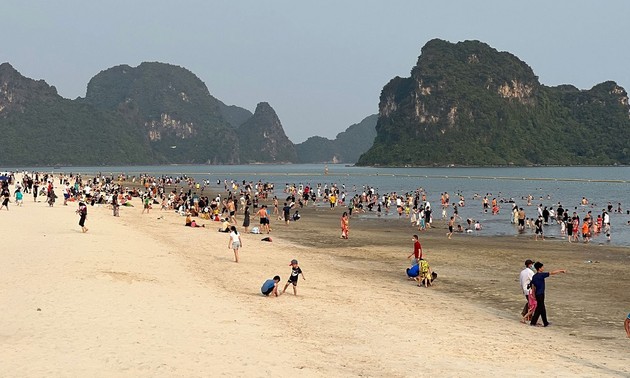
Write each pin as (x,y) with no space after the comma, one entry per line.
(547,185)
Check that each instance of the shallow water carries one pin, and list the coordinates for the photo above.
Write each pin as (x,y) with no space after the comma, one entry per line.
(547,185)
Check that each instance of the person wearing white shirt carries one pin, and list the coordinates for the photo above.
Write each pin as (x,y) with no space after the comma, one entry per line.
(525,278)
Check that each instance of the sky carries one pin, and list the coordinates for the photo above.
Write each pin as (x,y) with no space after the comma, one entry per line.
(320,64)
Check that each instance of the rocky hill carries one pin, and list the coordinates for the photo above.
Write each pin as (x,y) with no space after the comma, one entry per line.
(345,148)
(469,104)
(234,115)
(155,113)
(173,109)
(263,139)
(39,127)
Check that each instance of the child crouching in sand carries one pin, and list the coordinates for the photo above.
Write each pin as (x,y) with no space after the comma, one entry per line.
(270,287)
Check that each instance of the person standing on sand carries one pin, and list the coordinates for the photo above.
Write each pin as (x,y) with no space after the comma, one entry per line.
(51,195)
(451,223)
(231,210)
(626,325)
(333,200)
(235,242)
(35,187)
(345,225)
(18,197)
(264,219)
(82,211)
(146,204)
(525,278)
(293,278)
(115,205)
(246,219)
(5,195)
(275,206)
(538,280)
(417,251)
(286,213)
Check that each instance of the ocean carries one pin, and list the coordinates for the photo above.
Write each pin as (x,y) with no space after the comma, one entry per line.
(547,185)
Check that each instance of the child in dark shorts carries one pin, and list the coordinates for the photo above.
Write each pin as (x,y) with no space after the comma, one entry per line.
(293,278)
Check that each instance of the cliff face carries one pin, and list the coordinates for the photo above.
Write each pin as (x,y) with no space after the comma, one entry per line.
(263,139)
(39,127)
(16,91)
(154,113)
(469,104)
(179,118)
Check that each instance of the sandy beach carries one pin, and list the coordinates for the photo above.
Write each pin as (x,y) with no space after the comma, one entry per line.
(143,296)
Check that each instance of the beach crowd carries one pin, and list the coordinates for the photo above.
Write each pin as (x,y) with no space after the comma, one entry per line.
(232,204)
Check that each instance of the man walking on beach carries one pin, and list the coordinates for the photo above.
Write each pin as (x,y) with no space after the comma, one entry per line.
(417,251)
(538,280)
(286,213)
(525,279)
(264,219)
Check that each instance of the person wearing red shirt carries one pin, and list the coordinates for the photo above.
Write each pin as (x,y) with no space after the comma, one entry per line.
(417,251)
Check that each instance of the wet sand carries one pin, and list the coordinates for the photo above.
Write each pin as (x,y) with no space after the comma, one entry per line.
(590,302)
(142,296)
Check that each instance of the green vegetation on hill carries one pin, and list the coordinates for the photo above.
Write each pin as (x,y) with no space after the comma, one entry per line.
(263,139)
(173,108)
(39,127)
(469,104)
(234,115)
(154,113)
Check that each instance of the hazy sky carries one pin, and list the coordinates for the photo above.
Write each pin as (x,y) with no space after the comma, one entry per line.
(320,64)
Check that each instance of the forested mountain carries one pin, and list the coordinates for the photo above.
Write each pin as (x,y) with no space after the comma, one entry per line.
(155,113)
(464,104)
(174,109)
(234,115)
(263,139)
(468,104)
(345,148)
(39,127)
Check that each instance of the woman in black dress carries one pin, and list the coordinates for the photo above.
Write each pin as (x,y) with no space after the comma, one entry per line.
(246,218)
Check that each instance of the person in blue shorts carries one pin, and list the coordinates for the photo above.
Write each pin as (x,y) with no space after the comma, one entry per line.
(270,287)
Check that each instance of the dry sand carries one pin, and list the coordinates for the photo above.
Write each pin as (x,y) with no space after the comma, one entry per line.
(139,296)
